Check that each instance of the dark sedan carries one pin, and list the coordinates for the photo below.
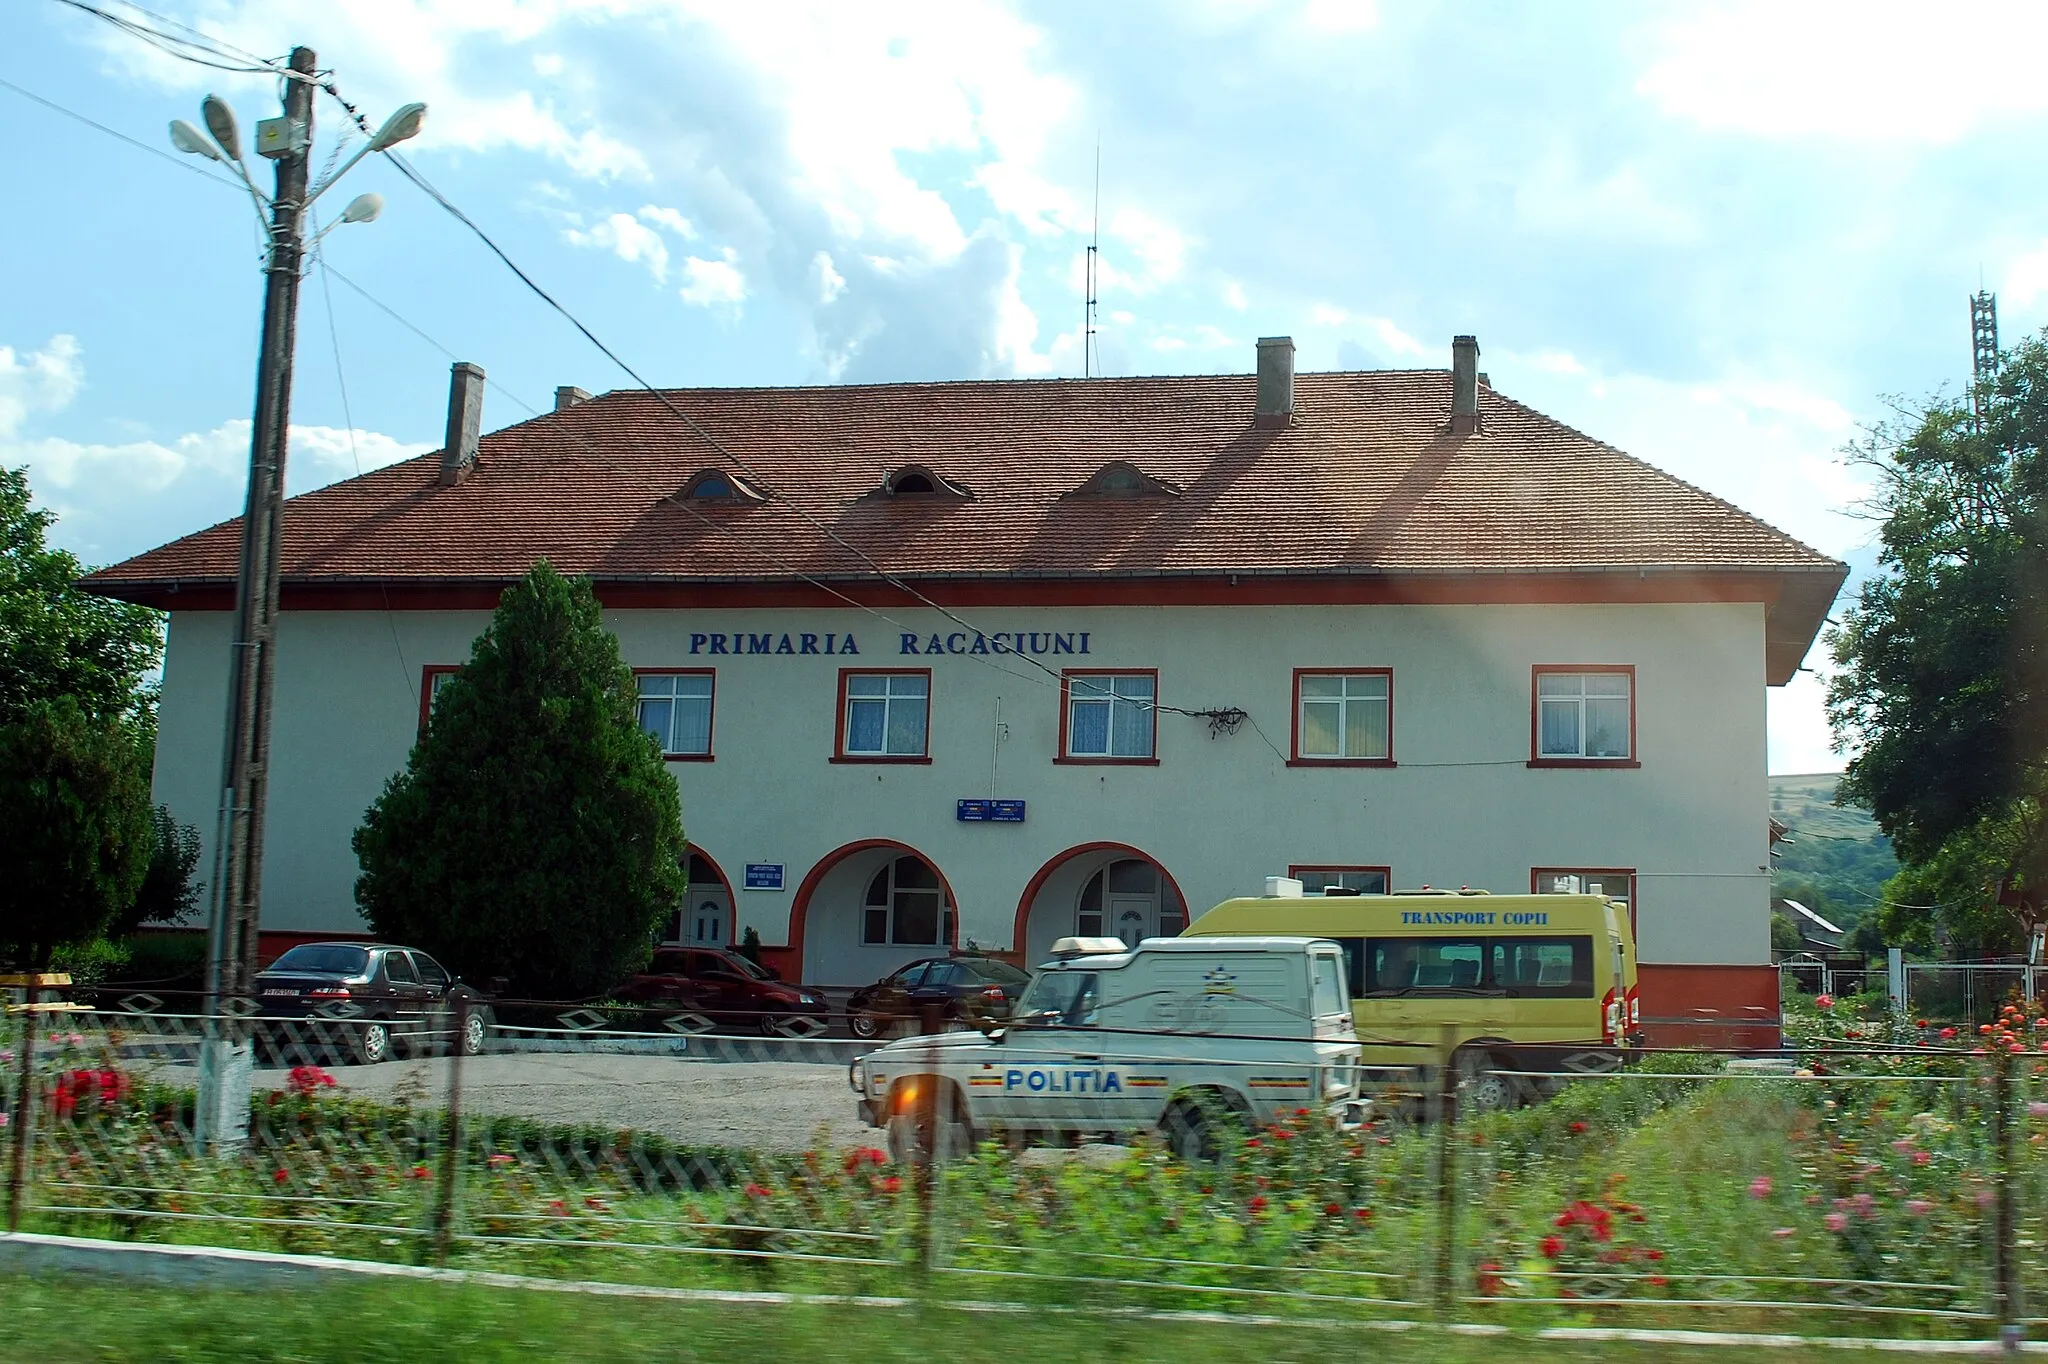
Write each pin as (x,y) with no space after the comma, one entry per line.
(366,1000)
(728,990)
(964,989)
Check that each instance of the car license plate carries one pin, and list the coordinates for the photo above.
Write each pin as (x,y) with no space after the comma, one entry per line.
(280,992)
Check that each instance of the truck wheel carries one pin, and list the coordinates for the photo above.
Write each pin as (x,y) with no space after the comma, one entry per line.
(917,1137)
(1200,1126)
(1485,1084)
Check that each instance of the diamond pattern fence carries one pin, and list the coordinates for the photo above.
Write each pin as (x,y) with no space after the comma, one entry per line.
(1851,1185)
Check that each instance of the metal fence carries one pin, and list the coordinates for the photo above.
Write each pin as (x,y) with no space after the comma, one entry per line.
(1843,1188)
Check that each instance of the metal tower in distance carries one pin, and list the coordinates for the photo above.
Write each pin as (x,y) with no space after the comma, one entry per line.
(1984,348)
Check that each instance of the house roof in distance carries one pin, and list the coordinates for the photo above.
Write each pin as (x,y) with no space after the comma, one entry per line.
(1133,490)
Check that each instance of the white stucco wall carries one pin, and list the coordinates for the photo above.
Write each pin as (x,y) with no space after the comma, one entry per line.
(1219,813)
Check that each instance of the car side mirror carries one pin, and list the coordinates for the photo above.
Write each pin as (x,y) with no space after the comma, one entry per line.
(990,1028)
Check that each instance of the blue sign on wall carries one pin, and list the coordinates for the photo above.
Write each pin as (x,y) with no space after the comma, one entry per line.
(764,876)
(989,811)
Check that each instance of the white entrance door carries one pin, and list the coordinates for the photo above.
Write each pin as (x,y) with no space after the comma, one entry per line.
(707,921)
(1134,917)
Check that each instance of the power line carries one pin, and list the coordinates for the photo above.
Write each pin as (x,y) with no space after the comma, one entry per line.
(180,162)
(202,51)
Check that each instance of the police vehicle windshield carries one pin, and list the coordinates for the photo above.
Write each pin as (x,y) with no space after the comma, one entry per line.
(1058,999)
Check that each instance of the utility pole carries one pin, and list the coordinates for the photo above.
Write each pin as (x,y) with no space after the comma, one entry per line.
(225,1062)
(224,1052)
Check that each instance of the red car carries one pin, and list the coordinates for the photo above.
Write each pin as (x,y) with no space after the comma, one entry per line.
(727,989)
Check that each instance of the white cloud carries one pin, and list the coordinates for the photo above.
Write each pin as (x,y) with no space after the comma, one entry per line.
(831,284)
(1622,205)
(43,380)
(1853,70)
(1158,246)
(2026,279)
(1234,297)
(1800,740)
(714,283)
(1341,16)
(627,238)
(670,219)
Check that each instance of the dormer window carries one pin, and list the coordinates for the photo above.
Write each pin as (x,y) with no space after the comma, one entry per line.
(915,480)
(718,487)
(1121,478)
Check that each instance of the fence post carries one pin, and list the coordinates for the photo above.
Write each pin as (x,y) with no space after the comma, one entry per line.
(924,1163)
(2005,1252)
(24,1113)
(451,1145)
(1444,1102)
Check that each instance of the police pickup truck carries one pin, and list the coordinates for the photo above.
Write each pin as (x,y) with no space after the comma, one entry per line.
(1171,1035)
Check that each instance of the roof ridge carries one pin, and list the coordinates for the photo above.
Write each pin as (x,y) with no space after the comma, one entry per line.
(1007,381)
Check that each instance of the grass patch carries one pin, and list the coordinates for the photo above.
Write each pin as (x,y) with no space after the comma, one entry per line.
(59,1321)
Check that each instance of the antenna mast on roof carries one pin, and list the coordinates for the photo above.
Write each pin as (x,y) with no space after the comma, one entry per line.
(1088,276)
(1984,350)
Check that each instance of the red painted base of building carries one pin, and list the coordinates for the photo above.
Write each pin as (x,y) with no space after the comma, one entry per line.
(1717,1007)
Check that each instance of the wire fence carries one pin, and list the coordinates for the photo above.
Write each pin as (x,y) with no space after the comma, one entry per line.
(1847,1186)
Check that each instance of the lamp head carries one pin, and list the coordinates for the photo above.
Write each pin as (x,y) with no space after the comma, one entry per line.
(401,125)
(191,141)
(364,208)
(220,121)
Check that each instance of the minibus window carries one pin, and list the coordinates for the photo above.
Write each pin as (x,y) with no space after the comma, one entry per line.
(1543,968)
(1354,964)
(1399,966)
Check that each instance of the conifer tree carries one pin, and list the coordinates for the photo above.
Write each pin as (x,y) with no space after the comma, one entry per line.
(534,832)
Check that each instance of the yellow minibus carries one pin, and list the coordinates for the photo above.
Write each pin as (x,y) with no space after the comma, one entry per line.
(1509,989)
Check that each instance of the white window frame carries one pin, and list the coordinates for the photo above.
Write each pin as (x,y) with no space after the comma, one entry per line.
(1120,693)
(901,694)
(893,893)
(1614,684)
(673,696)
(1363,679)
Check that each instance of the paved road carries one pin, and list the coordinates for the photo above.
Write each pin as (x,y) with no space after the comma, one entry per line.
(762,1105)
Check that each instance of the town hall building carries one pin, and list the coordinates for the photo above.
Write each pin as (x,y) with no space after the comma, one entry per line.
(996,662)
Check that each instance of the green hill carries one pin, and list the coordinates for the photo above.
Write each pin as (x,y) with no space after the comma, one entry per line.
(1835,859)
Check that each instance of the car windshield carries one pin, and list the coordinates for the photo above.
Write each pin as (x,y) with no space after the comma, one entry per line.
(752,970)
(326,959)
(1060,999)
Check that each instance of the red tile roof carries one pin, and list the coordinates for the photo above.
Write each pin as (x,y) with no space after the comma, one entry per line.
(1368,481)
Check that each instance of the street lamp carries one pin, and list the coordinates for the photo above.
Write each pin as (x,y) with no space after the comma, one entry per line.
(225,1055)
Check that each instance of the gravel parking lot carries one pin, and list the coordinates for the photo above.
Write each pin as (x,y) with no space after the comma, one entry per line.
(762,1105)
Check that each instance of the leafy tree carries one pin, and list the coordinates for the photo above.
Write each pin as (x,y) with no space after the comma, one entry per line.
(168,892)
(1942,688)
(56,640)
(1784,933)
(535,832)
(74,801)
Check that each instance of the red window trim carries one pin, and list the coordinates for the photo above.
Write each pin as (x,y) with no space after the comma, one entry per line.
(1066,759)
(710,731)
(427,676)
(1295,869)
(1536,759)
(839,753)
(1536,875)
(1294,757)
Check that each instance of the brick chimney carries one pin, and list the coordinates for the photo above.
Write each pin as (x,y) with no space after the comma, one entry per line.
(465,421)
(1464,385)
(1276,383)
(568,396)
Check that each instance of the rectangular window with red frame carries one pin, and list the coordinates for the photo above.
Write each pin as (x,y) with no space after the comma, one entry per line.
(885,716)
(675,707)
(1343,717)
(1613,883)
(433,677)
(1582,716)
(1107,717)
(1357,880)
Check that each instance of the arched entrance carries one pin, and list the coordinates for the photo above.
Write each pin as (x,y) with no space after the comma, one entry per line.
(704,918)
(866,909)
(1098,890)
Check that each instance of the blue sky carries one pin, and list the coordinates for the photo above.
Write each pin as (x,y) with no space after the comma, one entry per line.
(1719,236)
